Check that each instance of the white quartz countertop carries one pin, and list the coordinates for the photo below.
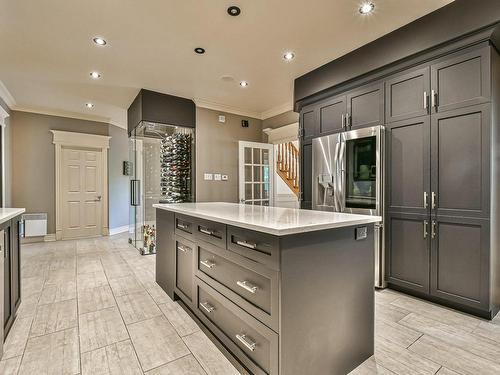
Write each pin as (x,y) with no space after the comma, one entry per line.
(8,213)
(272,220)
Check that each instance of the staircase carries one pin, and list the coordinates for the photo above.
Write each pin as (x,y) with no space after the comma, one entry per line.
(287,165)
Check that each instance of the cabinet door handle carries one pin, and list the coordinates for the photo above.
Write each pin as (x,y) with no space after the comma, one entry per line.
(343,120)
(426,100)
(247,286)
(425,199)
(247,244)
(182,226)
(425,228)
(183,248)
(206,231)
(434,97)
(433,229)
(348,120)
(433,200)
(207,263)
(245,340)
(207,307)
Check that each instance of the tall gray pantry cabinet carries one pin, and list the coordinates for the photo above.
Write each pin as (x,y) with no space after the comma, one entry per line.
(441,112)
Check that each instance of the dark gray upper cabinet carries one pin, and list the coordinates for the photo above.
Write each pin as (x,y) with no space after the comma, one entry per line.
(461,79)
(407,95)
(460,265)
(408,166)
(407,241)
(309,123)
(331,115)
(460,157)
(365,106)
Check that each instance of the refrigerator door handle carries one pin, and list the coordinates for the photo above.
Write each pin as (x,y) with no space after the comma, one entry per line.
(341,174)
(336,199)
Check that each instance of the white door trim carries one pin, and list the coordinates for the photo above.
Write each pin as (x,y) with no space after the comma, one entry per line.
(70,139)
(3,116)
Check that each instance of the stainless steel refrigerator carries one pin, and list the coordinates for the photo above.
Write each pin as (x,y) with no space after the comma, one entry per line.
(348,176)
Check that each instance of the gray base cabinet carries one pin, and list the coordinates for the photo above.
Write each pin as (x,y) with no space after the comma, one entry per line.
(280,305)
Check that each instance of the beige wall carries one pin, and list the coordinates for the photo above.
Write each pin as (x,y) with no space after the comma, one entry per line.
(33,165)
(278,121)
(217,152)
(8,157)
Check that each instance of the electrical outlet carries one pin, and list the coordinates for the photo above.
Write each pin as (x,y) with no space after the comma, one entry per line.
(225,177)
(222,118)
(217,177)
(208,177)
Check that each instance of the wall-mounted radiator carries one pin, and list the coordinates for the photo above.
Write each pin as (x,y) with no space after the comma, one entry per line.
(35,225)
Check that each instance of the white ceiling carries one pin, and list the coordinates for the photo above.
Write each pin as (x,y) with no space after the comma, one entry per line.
(46,53)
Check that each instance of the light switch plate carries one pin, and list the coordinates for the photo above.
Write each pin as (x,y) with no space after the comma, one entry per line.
(217,177)
(225,177)
(208,177)
(222,118)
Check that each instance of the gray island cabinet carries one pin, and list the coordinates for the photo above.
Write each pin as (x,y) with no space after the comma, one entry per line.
(279,291)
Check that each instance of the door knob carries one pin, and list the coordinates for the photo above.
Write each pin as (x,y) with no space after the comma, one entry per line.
(98,198)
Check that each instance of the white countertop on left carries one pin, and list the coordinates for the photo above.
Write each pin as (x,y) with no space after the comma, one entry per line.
(8,213)
(272,220)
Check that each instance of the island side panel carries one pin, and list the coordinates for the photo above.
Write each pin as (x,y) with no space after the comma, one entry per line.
(327,301)
(165,250)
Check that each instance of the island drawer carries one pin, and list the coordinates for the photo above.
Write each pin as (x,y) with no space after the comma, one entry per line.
(260,247)
(251,286)
(184,261)
(256,345)
(211,231)
(184,225)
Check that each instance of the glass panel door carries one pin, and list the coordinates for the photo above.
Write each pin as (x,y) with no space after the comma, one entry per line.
(361,173)
(256,173)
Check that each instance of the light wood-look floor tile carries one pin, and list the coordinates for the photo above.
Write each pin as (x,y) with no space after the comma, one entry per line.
(156,342)
(125,285)
(390,313)
(10,366)
(31,285)
(54,317)
(101,328)
(182,322)
(371,367)
(454,358)
(187,365)
(207,354)
(135,307)
(87,264)
(55,353)
(115,359)
(91,280)
(117,271)
(59,277)
(63,263)
(90,300)
(16,339)
(156,292)
(398,334)
(58,292)
(489,330)
(445,371)
(28,305)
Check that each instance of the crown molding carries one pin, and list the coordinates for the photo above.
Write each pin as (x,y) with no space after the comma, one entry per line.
(60,113)
(275,111)
(6,96)
(202,103)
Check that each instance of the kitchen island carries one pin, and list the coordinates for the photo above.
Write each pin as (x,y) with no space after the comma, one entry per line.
(280,291)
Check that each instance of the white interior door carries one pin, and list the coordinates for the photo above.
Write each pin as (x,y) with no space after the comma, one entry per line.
(256,171)
(81,176)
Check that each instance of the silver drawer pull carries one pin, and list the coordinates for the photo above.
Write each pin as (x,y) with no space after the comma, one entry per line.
(182,226)
(247,244)
(247,286)
(207,307)
(183,248)
(247,342)
(206,231)
(207,263)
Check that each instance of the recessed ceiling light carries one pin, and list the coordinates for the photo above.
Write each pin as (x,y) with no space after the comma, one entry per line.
(199,50)
(289,56)
(99,41)
(89,105)
(233,11)
(366,8)
(243,83)
(95,75)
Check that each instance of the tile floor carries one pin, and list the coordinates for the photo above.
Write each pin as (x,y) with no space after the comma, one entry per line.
(92,307)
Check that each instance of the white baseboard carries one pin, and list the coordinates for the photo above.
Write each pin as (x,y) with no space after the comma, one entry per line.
(47,238)
(50,237)
(122,229)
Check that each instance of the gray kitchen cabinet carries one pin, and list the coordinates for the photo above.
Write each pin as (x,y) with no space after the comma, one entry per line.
(332,115)
(309,123)
(306,176)
(461,79)
(165,251)
(408,166)
(408,247)
(184,267)
(460,160)
(407,95)
(365,106)
(460,265)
